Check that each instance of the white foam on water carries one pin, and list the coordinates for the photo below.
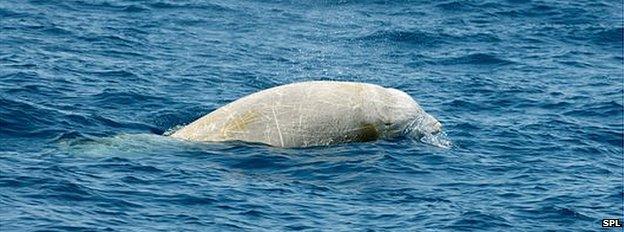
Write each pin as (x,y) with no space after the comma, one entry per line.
(439,140)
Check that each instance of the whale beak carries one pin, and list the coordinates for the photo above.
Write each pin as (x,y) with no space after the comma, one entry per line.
(436,127)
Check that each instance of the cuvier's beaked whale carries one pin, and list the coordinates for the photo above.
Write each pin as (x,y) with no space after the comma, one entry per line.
(314,113)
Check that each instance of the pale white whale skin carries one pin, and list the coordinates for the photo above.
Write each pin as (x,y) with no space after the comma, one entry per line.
(314,113)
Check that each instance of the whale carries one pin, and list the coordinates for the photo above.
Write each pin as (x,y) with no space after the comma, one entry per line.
(314,113)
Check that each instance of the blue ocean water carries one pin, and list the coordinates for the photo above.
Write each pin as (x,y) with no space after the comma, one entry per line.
(530,93)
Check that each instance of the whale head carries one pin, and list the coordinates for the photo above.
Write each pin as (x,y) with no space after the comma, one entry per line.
(404,116)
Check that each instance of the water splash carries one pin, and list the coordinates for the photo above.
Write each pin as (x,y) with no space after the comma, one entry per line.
(172,130)
(423,130)
(440,140)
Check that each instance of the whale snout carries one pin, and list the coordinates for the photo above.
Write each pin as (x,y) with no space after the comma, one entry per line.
(435,127)
(431,125)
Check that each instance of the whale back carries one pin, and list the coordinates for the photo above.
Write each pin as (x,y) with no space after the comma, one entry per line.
(304,114)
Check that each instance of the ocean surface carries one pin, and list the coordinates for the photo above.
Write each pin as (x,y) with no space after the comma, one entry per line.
(530,94)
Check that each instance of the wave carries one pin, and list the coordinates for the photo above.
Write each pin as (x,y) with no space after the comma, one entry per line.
(476,59)
(614,36)
(410,37)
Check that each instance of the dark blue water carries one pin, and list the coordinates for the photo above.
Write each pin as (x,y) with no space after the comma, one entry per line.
(530,94)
